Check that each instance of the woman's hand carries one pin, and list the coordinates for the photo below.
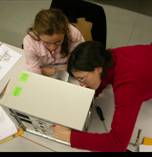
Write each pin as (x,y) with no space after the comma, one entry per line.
(48,71)
(61,132)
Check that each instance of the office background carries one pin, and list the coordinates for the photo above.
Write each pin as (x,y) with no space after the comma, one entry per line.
(128,22)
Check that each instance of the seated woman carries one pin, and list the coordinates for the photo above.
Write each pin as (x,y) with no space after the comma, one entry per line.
(128,69)
(50,41)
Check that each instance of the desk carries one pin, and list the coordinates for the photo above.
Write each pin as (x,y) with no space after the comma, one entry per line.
(30,142)
(33,143)
(22,144)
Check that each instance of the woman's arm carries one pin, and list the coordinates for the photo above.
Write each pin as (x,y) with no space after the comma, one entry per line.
(128,100)
(75,37)
(128,103)
(61,132)
(31,55)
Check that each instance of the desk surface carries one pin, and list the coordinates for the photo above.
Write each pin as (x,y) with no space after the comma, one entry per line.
(30,142)
(33,143)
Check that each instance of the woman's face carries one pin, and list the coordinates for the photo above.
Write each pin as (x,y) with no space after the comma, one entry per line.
(52,42)
(89,79)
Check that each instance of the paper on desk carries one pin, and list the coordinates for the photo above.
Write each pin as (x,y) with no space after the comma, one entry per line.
(145,148)
(8,58)
(7,127)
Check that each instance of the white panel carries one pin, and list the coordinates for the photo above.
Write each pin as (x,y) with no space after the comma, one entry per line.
(51,99)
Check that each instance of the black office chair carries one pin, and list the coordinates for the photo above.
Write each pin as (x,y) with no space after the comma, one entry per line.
(76,10)
(88,18)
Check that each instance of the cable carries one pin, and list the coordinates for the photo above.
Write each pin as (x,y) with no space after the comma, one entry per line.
(100,114)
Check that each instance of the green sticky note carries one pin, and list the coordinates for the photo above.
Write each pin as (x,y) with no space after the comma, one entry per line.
(24,77)
(17,91)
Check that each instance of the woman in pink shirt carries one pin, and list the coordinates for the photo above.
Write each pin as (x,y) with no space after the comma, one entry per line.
(50,41)
(128,69)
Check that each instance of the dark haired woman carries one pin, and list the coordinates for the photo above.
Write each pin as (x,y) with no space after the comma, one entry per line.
(128,69)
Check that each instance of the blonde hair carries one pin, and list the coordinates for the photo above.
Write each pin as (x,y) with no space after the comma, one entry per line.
(51,21)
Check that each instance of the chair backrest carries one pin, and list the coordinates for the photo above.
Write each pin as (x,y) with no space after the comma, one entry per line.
(78,11)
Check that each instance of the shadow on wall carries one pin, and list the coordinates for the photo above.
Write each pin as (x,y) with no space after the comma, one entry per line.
(140,6)
(16,17)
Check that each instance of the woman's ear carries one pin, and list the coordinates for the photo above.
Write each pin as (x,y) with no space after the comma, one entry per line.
(99,70)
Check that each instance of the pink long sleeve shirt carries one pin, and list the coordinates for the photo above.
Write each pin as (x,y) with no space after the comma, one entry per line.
(38,56)
(131,78)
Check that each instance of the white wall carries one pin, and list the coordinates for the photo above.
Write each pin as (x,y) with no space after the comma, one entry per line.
(16,16)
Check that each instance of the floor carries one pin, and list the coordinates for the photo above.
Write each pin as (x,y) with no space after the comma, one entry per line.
(128,22)
(16,17)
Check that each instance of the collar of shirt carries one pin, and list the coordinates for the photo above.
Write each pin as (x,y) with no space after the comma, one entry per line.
(45,52)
